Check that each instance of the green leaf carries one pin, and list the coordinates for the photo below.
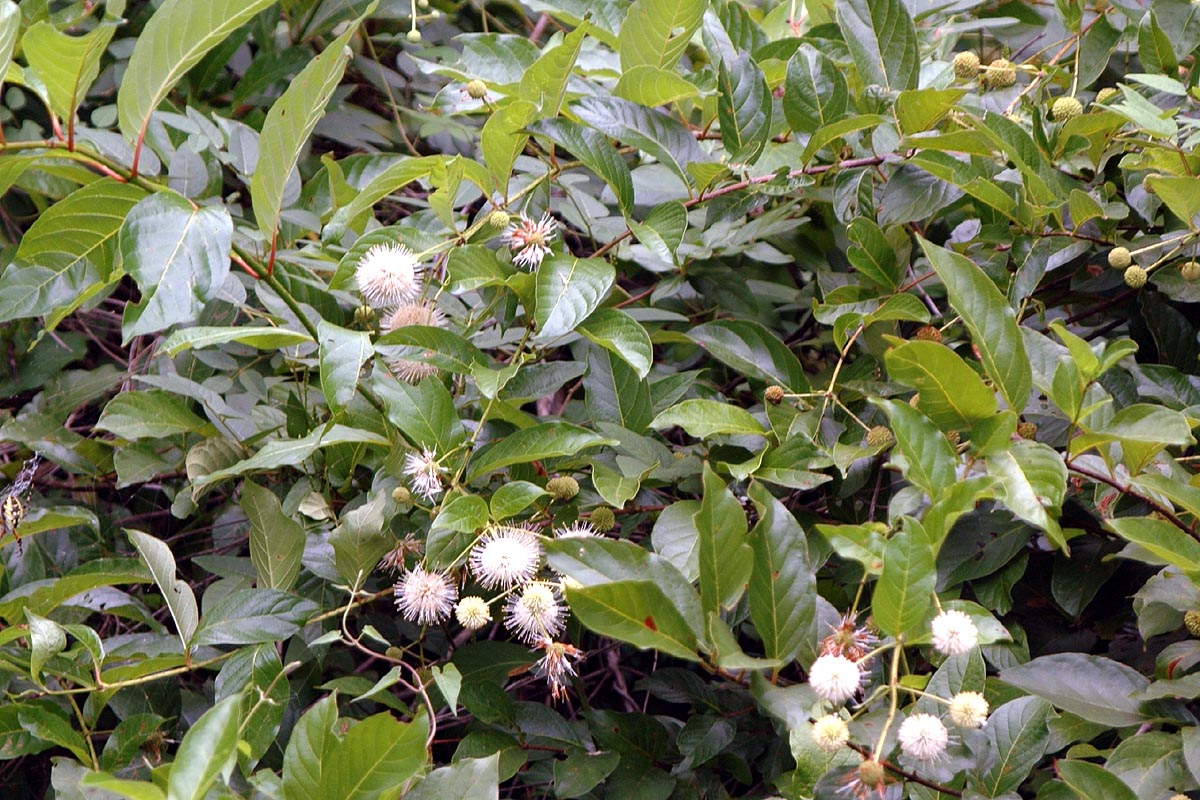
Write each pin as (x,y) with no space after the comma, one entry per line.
(177,594)
(1154,426)
(992,323)
(1181,195)
(276,540)
(922,452)
(653,86)
(290,452)
(621,334)
(1032,482)
(134,790)
(46,639)
(204,752)
(67,65)
(902,596)
(918,110)
(636,612)
(1165,542)
(615,393)
(753,350)
(568,290)
(342,354)
(262,337)
(656,32)
(179,256)
(581,771)
(148,415)
(815,92)
(594,151)
(513,498)
(743,108)
(545,82)
(290,122)
(359,540)
(454,528)
(442,348)
(179,34)
(503,138)
(880,36)
(465,779)
(1017,736)
(1154,46)
(44,724)
(547,440)
(1090,781)
(377,756)
(704,418)
(872,254)
(1096,688)
(658,135)
(782,590)
(254,616)
(952,395)
(399,174)
(10,27)
(310,751)
(726,559)
(67,254)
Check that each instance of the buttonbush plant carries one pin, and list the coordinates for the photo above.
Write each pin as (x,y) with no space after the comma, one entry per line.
(599,398)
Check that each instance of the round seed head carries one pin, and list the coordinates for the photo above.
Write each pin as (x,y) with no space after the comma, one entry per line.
(880,436)
(1135,277)
(1191,621)
(603,518)
(1027,430)
(1065,108)
(1190,271)
(1106,94)
(1000,74)
(966,65)
(1119,258)
(476,89)
(928,333)
(562,489)
(773,395)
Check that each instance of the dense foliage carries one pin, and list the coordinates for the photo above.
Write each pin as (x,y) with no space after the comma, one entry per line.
(592,398)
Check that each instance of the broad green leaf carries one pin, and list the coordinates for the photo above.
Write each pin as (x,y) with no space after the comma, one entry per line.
(290,122)
(454,529)
(880,36)
(255,674)
(475,266)
(918,110)
(44,597)
(513,498)
(1165,542)
(179,256)
(378,755)
(992,322)
(1181,195)
(206,748)
(581,771)
(568,290)
(827,134)
(951,393)
(547,440)
(1153,426)
(253,616)
(922,452)
(504,137)
(465,779)
(872,254)
(656,32)
(124,787)
(148,415)
(67,65)
(1089,781)
(653,86)
(636,612)
(1154,46)
(594,151)
(545,82)
(342,354)
(753,350)
(1032,483)
(310,751)
(290,452)
(615,393)
(43,723)
(177,36)
(815,91)
(359,540)
(1096,688)
(705,418)
(1017,736)
(262,337)
(656,134)
(46,639)
(424,413)
(743,108)
(726,559)
(399,174)
(782,589)
(902,596)
(67,255)
(10,27)
(177,594)
(437,346)
(619,333)
(276,540)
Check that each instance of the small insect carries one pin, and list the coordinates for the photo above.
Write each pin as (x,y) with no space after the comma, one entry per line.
(12,505)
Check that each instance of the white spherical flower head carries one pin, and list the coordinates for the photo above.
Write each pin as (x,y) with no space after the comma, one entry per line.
(968,710)
(530,240)
(424,473)
(576,530)
(834,678)
(923,737)
(830,733)
(506,557)
(387,275)
(407,314)
(536,614)
(473,613)
(954,633)
(423,597)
